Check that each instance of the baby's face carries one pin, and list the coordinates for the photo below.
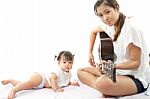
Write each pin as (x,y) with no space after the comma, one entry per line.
(66,65)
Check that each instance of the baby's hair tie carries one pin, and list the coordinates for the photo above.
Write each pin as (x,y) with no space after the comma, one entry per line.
(55,57)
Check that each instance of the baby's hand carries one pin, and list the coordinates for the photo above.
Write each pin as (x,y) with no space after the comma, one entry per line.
(59,89)
(75,83)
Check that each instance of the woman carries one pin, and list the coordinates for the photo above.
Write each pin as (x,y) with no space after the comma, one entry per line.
(129,47)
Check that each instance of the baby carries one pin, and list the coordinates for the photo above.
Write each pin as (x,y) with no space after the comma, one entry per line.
(55,80)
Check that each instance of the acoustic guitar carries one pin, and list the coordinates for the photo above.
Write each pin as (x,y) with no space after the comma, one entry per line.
(106,53)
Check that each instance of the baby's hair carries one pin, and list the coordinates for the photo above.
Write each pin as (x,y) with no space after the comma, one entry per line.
(66,55)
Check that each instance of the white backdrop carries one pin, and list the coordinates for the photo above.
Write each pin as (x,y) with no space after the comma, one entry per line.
(33,31)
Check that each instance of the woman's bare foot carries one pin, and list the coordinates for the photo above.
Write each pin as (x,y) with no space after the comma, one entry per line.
(107,96)
(4,82)
(104,96)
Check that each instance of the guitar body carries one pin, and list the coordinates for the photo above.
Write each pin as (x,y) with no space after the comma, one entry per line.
(106,52)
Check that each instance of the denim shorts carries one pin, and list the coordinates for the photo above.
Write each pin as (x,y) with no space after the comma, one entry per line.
(138,83)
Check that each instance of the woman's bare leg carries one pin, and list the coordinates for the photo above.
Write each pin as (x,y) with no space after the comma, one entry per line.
(88,76)
(105,85)
(123,86)
(34,80)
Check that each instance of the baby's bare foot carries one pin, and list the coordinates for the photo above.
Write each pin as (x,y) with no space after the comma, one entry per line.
(4,82)
(11,95)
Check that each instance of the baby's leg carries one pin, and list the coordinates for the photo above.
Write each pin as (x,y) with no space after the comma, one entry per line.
(13,82)
(34,81)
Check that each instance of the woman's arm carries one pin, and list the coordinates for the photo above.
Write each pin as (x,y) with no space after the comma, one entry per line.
(92,42)
(134,58)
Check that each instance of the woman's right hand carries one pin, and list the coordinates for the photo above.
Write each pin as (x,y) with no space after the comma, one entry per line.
(91,60)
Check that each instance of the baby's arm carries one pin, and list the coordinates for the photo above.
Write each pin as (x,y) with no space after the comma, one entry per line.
(53,79)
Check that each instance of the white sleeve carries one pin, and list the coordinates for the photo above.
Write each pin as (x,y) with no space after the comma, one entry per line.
(133,35)
(109,30)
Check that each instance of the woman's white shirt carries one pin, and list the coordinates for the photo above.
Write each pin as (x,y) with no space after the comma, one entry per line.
(130,33)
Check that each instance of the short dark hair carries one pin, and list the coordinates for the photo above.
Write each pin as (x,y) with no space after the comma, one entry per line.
(66,55)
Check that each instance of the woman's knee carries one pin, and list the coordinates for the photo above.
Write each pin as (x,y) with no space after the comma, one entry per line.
(79,72)
(82,73)
(82,70)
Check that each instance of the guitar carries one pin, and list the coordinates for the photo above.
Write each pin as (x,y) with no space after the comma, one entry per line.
(106,53)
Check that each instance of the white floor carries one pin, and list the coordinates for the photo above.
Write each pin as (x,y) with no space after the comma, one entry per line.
(71,92)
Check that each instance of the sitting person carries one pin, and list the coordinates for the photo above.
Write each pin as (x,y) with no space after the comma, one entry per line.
(132,69)
(54,80)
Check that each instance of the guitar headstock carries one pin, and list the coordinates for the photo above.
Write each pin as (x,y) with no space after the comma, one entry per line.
(109,69)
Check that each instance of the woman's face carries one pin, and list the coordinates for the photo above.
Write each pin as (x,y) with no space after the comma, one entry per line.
(108,14)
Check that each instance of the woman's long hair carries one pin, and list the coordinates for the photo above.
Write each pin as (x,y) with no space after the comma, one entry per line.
(114,4)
